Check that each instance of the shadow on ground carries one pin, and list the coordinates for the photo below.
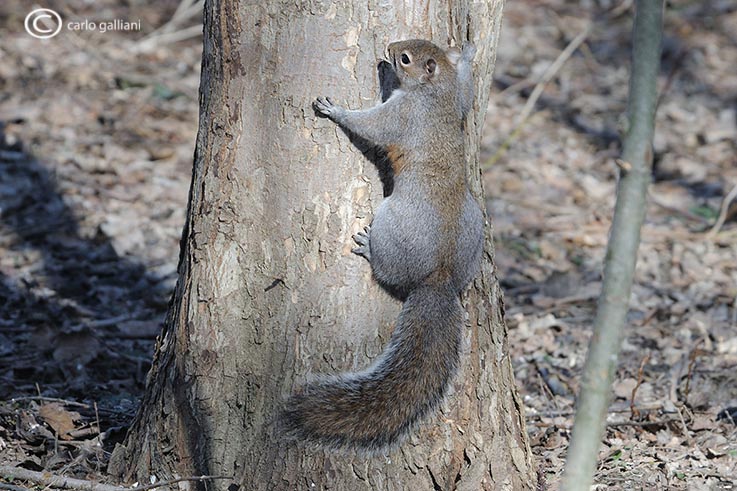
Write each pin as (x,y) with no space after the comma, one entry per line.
(75,317)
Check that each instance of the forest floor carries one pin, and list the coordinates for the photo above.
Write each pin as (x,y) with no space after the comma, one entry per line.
(551,198)
(97,134)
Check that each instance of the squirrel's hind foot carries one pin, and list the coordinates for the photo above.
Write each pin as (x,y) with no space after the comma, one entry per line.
(362,238)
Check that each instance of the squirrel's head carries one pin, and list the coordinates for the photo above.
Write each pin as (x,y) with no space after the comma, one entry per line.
(418,62)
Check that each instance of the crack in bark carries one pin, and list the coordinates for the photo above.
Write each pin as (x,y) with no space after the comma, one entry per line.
(435,485)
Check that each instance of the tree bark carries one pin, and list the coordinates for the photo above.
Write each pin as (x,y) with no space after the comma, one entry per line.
(269,293)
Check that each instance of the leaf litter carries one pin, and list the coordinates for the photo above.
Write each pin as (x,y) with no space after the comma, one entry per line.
(96,150)
(551,196)
(96,145)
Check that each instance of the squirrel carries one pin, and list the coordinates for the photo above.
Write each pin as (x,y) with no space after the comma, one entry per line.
(424,247)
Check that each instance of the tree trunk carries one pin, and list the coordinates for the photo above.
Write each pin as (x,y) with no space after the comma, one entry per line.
(269,293)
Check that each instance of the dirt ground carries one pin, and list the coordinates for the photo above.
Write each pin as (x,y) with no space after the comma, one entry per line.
(96,141)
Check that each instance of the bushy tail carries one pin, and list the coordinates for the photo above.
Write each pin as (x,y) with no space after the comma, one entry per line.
(375,408)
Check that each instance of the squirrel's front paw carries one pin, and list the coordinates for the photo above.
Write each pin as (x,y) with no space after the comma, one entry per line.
(325,107)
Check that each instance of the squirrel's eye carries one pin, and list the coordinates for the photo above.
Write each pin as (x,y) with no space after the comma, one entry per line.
(405,59)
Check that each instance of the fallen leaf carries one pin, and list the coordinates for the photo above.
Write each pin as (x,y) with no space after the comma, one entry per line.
(623,388)
(61,420)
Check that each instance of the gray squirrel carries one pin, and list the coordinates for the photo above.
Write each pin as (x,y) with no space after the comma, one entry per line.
(424,247)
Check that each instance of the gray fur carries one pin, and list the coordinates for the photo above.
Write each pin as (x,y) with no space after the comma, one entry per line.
(469,246)
(465,78)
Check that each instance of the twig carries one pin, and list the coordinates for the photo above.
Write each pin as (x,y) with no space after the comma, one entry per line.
(185,10)
(550,72)
(128,335)
(556,387)
(685,213)
(172,37)
(99,431)
(544,388)
(684,427)
(55,481)
(611,424)
(97,417)
(634,412)
(12,155)
(505,145)
(166,33)
(677,64)
(52,480)
(50,399)
(181,479)
(570,412)
(86,46)
(84,432)
(675,373)
(12,487)
(549,414)
(664,421)
(512,86)
(723,212)
(621,8)
(110,321)
(695,353)
(74,443)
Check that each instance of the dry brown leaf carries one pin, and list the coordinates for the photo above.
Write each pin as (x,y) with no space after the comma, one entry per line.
(61,420)
(702,422)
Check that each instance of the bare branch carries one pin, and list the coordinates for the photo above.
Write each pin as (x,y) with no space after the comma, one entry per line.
(55,481)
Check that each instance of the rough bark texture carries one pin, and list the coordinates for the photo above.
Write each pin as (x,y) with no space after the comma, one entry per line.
(269,293)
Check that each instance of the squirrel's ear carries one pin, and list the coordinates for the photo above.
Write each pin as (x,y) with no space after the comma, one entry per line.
(430,66)
(453,54)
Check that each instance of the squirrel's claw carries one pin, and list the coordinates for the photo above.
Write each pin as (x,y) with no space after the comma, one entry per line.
(324,106)
(362,239)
